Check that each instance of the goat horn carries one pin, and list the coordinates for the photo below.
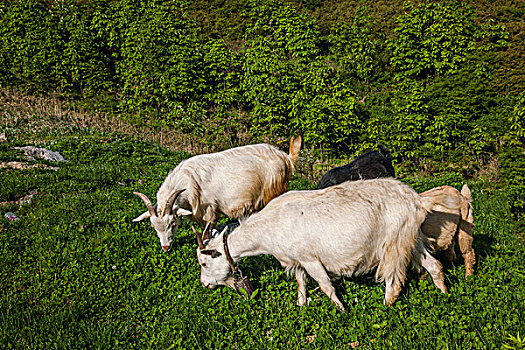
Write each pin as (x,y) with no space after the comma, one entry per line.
(205,232)
(147,202)
(171,200)
(199,238)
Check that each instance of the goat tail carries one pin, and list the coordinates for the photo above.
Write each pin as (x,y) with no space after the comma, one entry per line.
(295,148)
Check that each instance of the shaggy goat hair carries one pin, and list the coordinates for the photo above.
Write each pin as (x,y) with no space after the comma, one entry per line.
(236,182)
(444,226)
(349,229)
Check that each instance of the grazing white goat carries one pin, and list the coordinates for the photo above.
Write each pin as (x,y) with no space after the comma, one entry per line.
(444,226)
(235,182)
(347,229)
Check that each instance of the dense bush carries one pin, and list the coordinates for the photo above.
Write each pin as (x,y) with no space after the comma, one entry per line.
(440,59)
(87,62)
(160,56)
(512,161)
(426,90)
(286,83)
(31,45)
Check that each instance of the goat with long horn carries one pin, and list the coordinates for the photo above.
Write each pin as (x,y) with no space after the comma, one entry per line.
(349,229)
(236,182)
(167,221)
(238,281)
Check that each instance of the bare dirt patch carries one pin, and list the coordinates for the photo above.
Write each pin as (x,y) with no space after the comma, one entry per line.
(25,166)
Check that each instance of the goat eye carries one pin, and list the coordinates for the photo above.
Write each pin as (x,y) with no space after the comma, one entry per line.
(204,265)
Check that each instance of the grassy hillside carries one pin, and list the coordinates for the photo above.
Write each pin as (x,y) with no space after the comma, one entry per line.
(76,273)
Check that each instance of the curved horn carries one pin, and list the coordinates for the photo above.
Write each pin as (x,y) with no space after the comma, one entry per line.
(147,202)
(171,200)
(199,238)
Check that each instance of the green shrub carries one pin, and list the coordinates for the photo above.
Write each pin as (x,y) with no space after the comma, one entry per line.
(427,92)
(512,161)
(442,60)
(286,83)
(87,62)
(355,50)
(31,45)
(423,184)
(160,56)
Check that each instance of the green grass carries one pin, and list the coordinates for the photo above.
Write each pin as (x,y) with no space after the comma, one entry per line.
(76,273)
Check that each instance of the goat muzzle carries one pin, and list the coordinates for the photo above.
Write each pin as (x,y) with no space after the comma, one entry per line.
(166,248)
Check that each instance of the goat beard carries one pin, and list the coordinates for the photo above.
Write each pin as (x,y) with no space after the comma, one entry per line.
(243,284)
(229,282)
(240,284)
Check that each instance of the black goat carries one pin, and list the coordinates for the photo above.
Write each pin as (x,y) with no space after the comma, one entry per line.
(370,165)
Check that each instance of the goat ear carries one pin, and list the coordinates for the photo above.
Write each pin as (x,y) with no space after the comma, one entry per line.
(212,252)
(224,230)
(465,191)
(182,212)
(145,215)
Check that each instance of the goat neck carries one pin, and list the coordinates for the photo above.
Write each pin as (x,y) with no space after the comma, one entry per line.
(241,244)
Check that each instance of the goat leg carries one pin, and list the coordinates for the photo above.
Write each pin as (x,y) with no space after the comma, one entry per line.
(318,273)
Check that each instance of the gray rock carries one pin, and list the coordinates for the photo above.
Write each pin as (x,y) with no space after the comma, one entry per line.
(43,153)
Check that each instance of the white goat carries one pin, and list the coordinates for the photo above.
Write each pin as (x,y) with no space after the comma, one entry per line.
(444,226)
(347,229)
(235,182)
